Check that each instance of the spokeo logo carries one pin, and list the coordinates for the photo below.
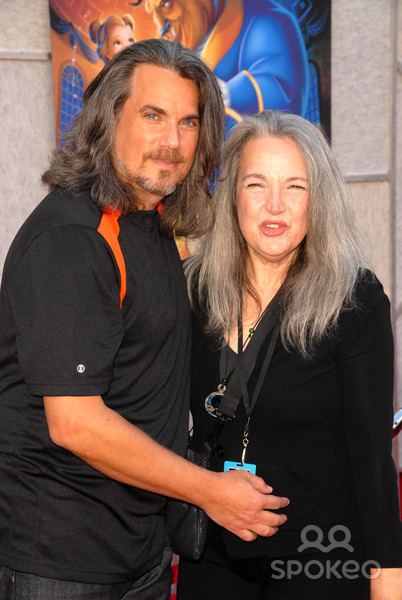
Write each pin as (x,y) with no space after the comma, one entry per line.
(312,538)
(316,540)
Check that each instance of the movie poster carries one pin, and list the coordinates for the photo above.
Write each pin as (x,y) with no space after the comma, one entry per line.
(265,53)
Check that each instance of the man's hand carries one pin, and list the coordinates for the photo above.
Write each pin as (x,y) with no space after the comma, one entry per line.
(242,503)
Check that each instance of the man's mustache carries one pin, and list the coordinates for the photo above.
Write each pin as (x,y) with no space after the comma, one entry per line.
(173,156)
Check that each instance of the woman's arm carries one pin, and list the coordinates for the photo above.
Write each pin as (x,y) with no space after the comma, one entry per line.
(366,365)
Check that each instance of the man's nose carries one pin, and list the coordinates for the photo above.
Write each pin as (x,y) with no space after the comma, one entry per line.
(170,136)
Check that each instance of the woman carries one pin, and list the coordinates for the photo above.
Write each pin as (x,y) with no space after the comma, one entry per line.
(320,430)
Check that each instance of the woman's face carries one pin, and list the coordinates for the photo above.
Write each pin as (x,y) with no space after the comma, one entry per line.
(272,199)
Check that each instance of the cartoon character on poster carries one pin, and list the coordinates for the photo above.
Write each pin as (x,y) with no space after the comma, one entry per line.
(112,35)
(255,48)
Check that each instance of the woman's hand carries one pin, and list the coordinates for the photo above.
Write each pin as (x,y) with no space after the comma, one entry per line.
(386,584)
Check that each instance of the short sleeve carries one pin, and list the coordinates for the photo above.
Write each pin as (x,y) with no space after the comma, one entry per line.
(64,298)
(366,368)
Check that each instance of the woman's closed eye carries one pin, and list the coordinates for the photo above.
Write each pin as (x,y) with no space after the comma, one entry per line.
(297,186)
(255,184)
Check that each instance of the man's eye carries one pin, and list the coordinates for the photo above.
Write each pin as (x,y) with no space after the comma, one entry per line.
(151,116)
(190,123)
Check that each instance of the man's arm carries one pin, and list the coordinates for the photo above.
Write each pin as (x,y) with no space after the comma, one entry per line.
(85,426)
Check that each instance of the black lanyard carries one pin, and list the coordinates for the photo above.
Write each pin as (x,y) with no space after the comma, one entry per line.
(249,405)
(237,386)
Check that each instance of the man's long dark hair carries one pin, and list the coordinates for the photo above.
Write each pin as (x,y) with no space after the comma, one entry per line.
(85,162)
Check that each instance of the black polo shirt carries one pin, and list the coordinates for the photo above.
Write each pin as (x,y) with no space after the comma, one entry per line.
(62,332)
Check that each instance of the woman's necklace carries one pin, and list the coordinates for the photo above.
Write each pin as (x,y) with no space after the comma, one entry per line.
(253,327)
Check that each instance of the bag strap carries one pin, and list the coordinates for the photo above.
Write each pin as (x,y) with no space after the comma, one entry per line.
(109,229)
(232,395)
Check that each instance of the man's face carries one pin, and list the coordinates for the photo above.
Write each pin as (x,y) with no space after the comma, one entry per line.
(157,133)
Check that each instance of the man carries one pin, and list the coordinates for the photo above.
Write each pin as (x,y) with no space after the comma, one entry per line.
(94,396)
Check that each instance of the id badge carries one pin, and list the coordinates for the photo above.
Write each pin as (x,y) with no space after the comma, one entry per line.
(230,465)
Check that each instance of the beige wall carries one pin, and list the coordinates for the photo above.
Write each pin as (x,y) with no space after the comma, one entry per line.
(366,124)
(26,111)
(367,136)
(397,207)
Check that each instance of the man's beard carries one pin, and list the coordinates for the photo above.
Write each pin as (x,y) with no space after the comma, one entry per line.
(159,186)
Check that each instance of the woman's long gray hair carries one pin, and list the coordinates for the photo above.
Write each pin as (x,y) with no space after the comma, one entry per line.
(85,161)
(321,280)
